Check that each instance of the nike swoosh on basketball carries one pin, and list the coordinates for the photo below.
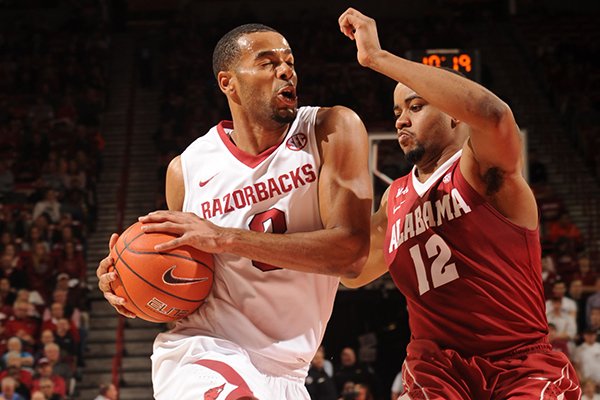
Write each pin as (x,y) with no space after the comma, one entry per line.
(203,183)
(171,279)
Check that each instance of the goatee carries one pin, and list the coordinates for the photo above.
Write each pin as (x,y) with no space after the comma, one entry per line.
(414,155)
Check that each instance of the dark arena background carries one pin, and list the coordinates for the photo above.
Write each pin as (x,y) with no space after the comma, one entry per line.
(97,96)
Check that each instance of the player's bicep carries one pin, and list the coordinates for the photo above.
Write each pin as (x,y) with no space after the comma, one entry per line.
(345,192)
(175,187)
(498,145)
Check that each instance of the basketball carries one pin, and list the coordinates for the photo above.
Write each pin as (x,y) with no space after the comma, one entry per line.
(159,286)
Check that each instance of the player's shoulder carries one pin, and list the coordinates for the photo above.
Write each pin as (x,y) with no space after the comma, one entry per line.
(337,115)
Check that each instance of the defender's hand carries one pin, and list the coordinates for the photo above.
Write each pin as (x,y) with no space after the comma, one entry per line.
(363,30)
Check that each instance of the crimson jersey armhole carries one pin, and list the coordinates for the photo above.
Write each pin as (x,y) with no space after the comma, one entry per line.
(461,183)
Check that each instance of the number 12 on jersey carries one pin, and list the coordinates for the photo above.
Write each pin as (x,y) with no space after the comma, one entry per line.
(441,271)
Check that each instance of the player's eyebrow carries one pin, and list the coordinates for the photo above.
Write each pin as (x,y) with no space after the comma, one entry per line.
(407,101)
(270,53)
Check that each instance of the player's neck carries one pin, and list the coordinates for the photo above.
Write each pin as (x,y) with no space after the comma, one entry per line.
(428,165)
(254,138)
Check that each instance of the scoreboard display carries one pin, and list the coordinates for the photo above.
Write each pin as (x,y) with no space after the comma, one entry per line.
(465,61)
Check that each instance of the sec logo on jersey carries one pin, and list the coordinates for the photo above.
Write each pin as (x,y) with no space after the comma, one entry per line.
(297,142)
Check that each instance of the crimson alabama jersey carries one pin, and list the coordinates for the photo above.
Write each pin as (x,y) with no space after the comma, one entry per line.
(275,314)
(472,278)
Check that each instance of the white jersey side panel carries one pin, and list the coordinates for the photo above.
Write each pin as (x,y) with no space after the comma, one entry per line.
(277,315)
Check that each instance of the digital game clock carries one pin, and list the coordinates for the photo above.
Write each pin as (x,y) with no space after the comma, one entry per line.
(465,61)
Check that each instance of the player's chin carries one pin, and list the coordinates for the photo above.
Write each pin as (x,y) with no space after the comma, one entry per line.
(285,115)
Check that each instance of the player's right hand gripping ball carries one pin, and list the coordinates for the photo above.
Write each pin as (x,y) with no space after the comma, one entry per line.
(159,286)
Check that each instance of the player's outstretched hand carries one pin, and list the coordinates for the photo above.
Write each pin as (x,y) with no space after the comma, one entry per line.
(363,30)
(190,229)
(105,278)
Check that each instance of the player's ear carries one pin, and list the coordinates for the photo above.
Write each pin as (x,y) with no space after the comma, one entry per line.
(226,82)
(454,122)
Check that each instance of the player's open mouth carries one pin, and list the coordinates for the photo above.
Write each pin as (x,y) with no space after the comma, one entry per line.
(287,95)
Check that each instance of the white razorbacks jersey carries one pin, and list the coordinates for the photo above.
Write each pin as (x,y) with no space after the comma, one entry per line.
(277,315)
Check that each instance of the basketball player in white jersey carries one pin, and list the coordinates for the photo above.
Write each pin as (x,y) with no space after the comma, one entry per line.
(281,196)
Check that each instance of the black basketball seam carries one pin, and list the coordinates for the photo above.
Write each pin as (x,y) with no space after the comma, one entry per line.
(164,254)
(135,305)
(119,257)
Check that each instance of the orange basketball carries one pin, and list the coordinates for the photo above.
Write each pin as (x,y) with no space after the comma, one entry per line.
(160,286)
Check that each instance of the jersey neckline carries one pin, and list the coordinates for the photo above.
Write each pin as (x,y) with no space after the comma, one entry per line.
(249,160)
(422,188)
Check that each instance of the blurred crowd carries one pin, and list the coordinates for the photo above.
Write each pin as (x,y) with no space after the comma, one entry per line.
(52,95)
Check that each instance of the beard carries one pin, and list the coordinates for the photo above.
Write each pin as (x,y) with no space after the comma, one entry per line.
(284,116)
(413,156)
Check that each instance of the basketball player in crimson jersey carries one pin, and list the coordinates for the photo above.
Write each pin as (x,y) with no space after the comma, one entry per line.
(459,236)
(281,196)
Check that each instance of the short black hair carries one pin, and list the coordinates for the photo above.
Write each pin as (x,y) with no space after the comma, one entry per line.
(227,50)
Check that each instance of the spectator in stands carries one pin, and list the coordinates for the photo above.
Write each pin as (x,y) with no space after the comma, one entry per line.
(565,258)
(594,322)
(589,390)
(550,205)
(363,392)
(586,273)
(7,293)
(22,377)
(47,336)
(47,388)
(23,326)
(593,302)
(349,391)
(39,267)
(8,390)
(566,327)
(66,340)
(549,275)
(14,346)
(576,294)
(71,263)
(44,370)
(59,367)
(50,206)
(564,228)
(557,343)
(38,395)
(71,310)
(586,357)
(15,274)
(350,369)
(568,305)
(107,391)
(319,384)
(397,387)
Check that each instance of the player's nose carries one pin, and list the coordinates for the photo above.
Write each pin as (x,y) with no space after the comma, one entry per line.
(285,71)
(402,121)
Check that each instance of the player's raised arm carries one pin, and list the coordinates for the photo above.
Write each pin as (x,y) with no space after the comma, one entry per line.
(492,160)
(496,139)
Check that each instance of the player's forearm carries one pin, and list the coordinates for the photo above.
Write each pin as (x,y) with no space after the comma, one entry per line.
(337,251)
(457,96)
